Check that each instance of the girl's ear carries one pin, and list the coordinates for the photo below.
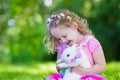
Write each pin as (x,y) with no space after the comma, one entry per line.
(75,25)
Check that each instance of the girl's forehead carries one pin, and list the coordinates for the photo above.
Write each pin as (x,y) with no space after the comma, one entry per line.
(56,32)
(60,30)
(63,27)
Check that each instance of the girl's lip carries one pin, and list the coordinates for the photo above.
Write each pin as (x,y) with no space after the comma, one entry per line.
(69,43)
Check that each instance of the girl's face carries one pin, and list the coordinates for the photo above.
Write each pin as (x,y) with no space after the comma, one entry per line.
(65,35)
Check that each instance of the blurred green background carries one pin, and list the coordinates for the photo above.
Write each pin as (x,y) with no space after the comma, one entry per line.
(23,55)
(22,27)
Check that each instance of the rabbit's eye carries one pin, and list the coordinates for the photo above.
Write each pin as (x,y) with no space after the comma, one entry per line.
(68,55)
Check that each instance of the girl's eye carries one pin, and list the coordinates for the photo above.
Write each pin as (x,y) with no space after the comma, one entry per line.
(64,36)
(58,39)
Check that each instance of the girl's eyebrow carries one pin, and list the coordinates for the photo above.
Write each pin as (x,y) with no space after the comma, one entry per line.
(64,36)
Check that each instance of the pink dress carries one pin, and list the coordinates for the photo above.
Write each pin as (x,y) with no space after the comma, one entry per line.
(89,45)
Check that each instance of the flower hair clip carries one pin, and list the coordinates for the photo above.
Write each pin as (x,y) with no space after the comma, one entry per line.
(48,20)
(58,17)
(84,21)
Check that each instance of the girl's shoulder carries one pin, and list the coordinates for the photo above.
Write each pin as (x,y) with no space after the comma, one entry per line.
(91,43)
(86,39)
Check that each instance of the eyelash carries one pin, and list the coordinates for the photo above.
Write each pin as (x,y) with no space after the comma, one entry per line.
(58,39)
(64,36)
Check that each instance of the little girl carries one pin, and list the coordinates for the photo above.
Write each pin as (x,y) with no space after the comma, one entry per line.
(65,27)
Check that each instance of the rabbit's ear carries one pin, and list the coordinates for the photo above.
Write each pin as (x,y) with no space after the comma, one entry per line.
(78,51)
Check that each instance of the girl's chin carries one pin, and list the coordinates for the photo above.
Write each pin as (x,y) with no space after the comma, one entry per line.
(70,44)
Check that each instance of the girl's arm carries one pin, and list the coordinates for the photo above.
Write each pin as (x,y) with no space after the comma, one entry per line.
(97,68)
(100,63)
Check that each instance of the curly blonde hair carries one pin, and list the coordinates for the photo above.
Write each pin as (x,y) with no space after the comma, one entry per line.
(51,42)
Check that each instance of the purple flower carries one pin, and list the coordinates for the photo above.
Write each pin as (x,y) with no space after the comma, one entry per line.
(69,18)
(53,16)
(48,20)
(59,17)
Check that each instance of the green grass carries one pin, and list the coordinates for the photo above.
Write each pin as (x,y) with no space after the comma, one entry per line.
(38,71)
(113,71)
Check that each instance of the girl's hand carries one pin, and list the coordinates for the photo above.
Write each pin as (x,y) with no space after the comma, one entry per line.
(79,70)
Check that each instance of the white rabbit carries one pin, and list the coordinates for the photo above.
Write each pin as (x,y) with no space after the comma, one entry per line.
(71,57)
